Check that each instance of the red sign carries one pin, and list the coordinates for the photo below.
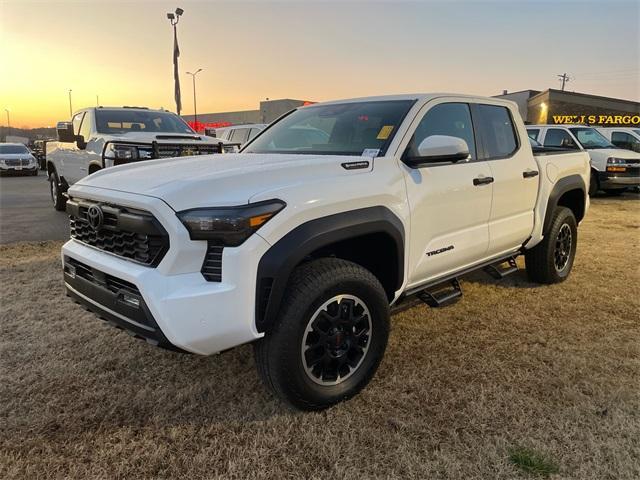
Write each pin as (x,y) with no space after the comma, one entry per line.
(200,126)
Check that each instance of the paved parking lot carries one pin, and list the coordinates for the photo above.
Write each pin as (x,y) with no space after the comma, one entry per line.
(26,213)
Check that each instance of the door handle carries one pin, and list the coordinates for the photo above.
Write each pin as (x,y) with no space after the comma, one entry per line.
(482,181)
(529,173)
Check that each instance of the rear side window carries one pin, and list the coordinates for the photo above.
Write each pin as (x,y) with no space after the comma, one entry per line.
(625,140)
(497,130)
(533,133)
(239,135)
(253,132)
(557,137)
(451,119)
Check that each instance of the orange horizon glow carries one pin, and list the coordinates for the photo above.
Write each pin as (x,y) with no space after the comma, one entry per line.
(122,52)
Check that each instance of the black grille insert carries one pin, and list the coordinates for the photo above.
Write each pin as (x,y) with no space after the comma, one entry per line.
(132,234)
(212,265)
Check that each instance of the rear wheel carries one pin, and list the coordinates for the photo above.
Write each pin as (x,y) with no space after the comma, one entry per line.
(329,337)
(552,259)
(58,199)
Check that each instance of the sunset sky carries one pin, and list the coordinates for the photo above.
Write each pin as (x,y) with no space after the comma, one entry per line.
(312,50)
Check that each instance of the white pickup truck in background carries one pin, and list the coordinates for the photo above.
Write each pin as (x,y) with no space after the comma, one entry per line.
(101,137)
(613,169)
(302,242)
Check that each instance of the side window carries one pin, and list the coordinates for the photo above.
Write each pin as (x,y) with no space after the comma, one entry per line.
(239,135)
(533,133)
(85,128)
(497,130)
(452,119)
(253,132)
(77,120)
(624,140)
(557,137)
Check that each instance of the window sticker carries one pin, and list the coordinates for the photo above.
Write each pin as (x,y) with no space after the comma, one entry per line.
(370,152)
(384,132)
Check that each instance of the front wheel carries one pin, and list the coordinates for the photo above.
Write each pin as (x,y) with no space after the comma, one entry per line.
(329,337)
(58,199)
(552,259)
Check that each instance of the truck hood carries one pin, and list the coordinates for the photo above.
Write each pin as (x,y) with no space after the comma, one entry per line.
(219,180)
(604,153)
(15,156)
(148,137)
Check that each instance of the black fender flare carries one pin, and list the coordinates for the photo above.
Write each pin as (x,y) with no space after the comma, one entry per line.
(277,264)
(562,186)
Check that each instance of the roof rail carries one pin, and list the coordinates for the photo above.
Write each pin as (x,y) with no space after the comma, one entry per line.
(141,108)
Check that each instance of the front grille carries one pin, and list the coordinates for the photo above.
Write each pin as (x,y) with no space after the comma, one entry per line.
(212,265)
(132,234)
(16,162)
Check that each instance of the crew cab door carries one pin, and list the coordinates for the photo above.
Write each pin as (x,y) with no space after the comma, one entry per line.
(72,160)
(449,202)
(515,173)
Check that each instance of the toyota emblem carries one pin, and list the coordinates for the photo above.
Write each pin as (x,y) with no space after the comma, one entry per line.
(95,217)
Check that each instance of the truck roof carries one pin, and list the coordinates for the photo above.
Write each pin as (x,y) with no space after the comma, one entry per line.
(412,96)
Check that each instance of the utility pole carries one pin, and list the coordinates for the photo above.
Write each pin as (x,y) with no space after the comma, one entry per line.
(174,19)
(97,101)
(8,119)
(195,109)
(565,79)
(70,107)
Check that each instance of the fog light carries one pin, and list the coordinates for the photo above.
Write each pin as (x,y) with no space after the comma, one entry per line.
(130,300)
(71,270)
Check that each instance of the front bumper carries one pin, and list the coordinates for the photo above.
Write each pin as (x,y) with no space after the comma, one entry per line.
(4,170)
(628,178)
(178,307)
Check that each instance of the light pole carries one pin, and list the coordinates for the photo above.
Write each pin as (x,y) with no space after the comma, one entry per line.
(195,109)
(70,107)
(8,119)
(174,19)
(97,101)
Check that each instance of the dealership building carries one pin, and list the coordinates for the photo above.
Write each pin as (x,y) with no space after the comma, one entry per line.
(537,106)
(269,110)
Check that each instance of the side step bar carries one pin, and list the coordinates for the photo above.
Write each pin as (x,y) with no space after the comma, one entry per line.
(441,295)
(499,270)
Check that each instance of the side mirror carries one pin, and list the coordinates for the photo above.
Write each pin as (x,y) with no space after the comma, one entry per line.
(80,142)
(65,132)
(438,149)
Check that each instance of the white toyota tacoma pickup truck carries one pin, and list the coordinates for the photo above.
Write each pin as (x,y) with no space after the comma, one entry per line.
(101,137)
(303,247)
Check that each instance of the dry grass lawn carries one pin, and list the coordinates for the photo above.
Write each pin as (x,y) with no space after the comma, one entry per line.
(513,367)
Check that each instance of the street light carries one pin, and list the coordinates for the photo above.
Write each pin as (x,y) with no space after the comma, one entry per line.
(8,120)
(195,110)
(70,107)
(174,19)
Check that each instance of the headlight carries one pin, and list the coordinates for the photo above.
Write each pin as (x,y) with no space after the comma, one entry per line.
(114,151)
(616,161)
(229,226)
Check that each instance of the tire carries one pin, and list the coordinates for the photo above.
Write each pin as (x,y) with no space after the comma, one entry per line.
(615,191)
(552,259)
(57,198)
(593,183)
(307,327)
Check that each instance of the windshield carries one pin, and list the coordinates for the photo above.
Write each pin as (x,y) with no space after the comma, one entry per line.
(591,138)
(338,129)
(637,131)
(124,121)
(13,149)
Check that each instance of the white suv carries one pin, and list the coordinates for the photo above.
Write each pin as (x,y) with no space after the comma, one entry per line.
(301,242)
